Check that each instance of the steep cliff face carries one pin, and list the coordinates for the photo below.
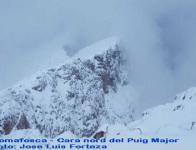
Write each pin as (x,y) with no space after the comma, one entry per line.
(70,97)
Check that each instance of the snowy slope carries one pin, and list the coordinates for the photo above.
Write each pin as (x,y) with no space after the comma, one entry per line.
(176,118)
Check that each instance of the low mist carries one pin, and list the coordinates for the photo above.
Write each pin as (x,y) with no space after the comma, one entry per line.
(159,38)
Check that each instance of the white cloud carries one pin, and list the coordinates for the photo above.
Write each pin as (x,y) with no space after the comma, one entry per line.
(159,37)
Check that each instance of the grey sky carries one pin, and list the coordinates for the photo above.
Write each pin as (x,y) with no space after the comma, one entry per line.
(159,38)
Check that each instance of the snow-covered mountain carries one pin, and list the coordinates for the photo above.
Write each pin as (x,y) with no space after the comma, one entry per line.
(77,96)
(87,94)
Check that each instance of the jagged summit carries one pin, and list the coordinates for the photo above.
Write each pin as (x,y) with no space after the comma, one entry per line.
(97,48)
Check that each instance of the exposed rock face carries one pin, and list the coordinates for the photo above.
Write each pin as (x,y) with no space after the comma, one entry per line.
(99,135)
(66,98)
(22,123)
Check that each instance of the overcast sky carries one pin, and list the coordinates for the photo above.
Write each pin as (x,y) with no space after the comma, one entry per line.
(159,37)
